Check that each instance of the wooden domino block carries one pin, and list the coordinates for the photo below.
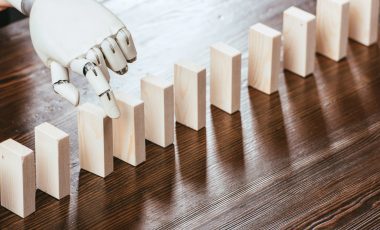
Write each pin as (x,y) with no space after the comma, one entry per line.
(364,16)
(18,178)
(225,77)
(332,28)
(190,95)
(264,61)
(299,41)
(52,160)
(158,97)
(129,130)
(95,140)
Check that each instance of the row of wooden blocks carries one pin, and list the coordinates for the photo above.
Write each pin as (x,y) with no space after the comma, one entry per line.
(21,171)
(152,116)
(304,35)
(99,138)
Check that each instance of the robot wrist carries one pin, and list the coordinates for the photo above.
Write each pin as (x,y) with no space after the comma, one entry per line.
(24,6)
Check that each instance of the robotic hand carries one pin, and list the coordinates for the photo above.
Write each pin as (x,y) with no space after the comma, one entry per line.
(83,36)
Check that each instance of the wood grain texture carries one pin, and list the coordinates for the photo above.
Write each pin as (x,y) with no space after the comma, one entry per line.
(364,15)
(332,28)
(299,29)
(307,157)
(17,178)
(264,58)
(190,95)
(225,83)
(129,130)
(52,153)
(95,140)
(158,97)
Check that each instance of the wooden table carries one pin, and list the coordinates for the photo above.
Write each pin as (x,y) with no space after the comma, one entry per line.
(306,157)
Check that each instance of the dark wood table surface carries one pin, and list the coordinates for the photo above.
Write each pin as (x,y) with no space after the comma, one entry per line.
(307,157)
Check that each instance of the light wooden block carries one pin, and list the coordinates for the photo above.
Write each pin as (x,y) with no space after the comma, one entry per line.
(364,21)
(129,130)
(299,41)
(18,178)
(264,61)
(225,73)
(190,95)
(332,28)
(158,97)
(52,160)
(95,140)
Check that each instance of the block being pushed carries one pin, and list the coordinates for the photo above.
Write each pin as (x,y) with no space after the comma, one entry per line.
(18,178)
(264,61)
(299,41)
(225,73)
(364,15)
(95,140)
(190,95)
(332,28)
(158,97)
(129,130)
(52,160)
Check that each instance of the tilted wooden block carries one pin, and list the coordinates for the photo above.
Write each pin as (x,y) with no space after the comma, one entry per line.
(299,41)
(225,73)
(18,178)
(332,28)
(190,95)
(264,61)
(158,97)
(364,21)
(129,130)
(52,160)
(95,140)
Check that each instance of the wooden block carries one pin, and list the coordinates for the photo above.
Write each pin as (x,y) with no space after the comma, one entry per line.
(18,178)
(52,160)
(364,16)
(332,28)
(190,95)
(225,77)
(299,41)
(264,61)
(95,140)
(129,130)
(158,97)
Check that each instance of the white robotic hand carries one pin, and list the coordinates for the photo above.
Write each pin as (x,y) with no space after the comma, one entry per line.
(83,36)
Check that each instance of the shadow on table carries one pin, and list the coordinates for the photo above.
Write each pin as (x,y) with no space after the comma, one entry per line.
(192,157)
(270,136)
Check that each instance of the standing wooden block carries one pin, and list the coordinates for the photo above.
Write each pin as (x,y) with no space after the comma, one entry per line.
(332,28)
(18,178)
(129,130)
(225,77)
(52,160)
(364,16)
(158,97)
(264,61)
(95,140)
(190,95)
(299,41)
